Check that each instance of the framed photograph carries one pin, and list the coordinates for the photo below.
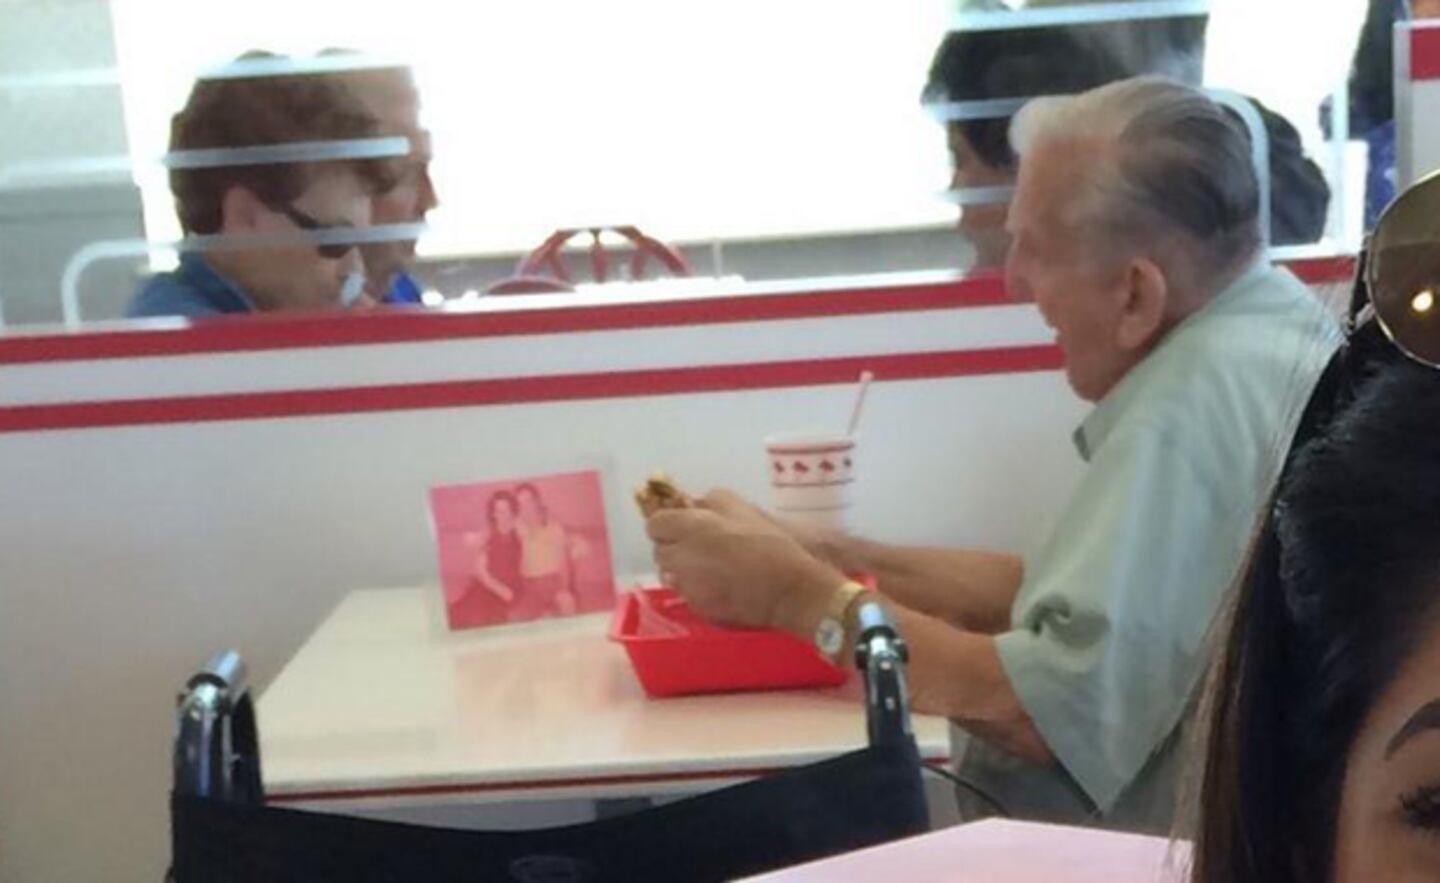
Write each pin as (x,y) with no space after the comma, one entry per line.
(523,548)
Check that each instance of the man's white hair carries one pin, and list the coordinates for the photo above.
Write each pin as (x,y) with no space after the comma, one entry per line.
(1173,163)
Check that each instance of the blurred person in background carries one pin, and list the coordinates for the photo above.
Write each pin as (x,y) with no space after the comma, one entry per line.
(1372,95)
(234,173)
(1003,64)
(1019,63)
(389,94)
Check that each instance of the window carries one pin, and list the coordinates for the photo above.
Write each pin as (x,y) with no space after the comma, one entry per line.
(767,139)
(755,119)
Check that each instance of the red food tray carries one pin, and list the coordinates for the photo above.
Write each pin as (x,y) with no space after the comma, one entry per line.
(676,653)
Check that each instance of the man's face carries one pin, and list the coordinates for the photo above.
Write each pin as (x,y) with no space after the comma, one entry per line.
(392,99)
(298,275)
(529,508)
(1080,291)
(408,202)
(982,224)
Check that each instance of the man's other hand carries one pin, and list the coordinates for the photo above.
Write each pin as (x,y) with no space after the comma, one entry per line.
(734,564)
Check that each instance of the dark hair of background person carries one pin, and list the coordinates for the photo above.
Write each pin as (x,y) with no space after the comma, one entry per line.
(1338,591)
(233,112)
(495,500)
(1372,73)
(986,65)
(1028,62)
(1299,193)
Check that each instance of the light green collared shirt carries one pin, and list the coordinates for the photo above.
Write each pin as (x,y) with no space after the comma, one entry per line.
(1109,631)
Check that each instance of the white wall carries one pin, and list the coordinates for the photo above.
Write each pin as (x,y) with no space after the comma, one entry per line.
(129,554)
(57,110)
(133,553)
(1417,125)
(49,113)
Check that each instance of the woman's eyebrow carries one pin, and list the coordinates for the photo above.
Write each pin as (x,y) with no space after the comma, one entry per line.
(1425,719)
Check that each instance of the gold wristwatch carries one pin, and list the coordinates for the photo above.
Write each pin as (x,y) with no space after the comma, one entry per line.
(833,628)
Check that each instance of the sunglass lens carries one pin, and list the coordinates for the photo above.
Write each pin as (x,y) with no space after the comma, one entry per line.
(1404,271)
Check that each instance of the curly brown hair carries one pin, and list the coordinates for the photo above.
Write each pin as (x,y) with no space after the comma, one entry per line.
(252,111)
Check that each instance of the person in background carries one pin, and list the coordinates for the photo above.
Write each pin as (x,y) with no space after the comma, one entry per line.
(975,66)
(988,65)
(1372,95)
(1135,229)
(390,96)
(232,176)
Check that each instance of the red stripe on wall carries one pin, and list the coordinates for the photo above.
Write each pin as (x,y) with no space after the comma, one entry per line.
(1320,271)
(517,390)
(1425,51)
(407,325)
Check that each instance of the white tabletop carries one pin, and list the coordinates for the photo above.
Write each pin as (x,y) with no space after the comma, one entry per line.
(384,704)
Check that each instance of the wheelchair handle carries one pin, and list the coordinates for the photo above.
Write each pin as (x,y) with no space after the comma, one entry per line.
(216,750)
(881,654)
(226,672)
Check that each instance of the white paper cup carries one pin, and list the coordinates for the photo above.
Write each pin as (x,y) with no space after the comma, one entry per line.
(811,476)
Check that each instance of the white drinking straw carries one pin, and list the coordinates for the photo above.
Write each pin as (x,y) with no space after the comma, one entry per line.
(864,387)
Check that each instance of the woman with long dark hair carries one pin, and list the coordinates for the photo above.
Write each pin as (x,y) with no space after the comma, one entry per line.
(495,582)
(499,567)
(1323,719)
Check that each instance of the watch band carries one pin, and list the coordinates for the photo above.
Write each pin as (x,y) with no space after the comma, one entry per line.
(836,627)
(844,598)
(851,617)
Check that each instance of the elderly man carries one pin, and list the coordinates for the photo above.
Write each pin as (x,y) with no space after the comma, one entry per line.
(1134,229)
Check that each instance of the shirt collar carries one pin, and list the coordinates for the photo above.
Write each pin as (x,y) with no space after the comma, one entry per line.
(218,290)
(1108,412)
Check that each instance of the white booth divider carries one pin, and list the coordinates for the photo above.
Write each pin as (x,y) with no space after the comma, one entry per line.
(173,491)
(1417,95)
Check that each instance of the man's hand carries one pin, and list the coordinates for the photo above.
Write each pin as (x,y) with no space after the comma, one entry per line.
(735,565)
(818,542)
(969,588)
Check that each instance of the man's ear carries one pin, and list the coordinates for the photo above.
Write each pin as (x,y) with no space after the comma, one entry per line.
(1145,304)
(240,211)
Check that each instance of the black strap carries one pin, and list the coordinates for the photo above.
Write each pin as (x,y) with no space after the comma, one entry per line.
(850,802)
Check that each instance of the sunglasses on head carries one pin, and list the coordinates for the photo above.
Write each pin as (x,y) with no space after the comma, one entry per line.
(1394,306)
(329,250)
(1397,285)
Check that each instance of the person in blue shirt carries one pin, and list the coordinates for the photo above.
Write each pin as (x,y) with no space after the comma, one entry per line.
(233,175)
(192,290)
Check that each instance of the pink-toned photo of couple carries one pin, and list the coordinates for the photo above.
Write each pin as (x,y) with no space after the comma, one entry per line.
(524,549)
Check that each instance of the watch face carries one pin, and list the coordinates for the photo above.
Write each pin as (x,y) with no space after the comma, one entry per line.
(830,637)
